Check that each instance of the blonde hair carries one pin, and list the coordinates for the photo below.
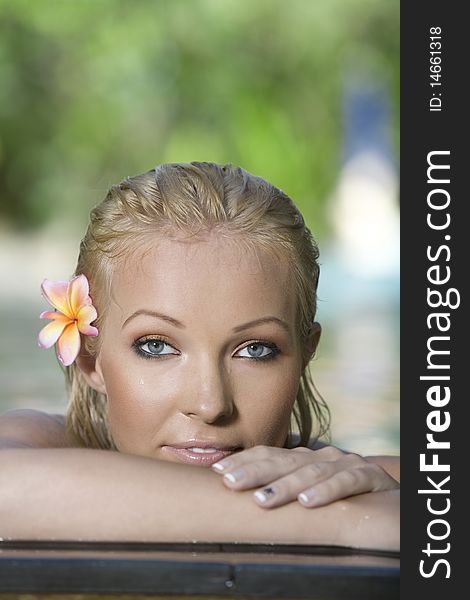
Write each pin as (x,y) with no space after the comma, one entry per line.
(193,198)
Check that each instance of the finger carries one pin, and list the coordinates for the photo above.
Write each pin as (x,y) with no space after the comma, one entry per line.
(261,472)
(262,465)
(287,488)
(258,466)
(346,483)
(290,455)
(249,455)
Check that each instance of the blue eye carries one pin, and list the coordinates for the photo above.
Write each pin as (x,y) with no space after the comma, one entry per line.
(153,348)
(259,351)
(156,348)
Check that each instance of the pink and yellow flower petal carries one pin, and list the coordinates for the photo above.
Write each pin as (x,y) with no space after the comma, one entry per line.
(49,334)
(56,293)
(68,345)
(78,294)
(86,315)
(88,330)
(55,315)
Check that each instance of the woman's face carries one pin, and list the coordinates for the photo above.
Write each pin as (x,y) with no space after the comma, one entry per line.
(199,351)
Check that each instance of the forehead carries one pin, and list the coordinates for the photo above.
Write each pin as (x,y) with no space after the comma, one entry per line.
(210,276)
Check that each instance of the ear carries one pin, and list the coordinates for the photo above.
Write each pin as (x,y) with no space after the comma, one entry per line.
(91,371)
(311,344)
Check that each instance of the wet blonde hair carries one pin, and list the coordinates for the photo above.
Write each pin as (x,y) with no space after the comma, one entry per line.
(193,199)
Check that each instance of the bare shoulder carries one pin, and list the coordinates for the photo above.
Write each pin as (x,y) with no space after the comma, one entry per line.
(25,428)
(391,464)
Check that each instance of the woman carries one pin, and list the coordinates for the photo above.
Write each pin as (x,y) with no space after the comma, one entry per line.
(203,281)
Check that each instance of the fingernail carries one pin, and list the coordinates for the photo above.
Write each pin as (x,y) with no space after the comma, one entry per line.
(306,497)
(222,465)
(218,467)
(261,496)
(264,495)
(235,476)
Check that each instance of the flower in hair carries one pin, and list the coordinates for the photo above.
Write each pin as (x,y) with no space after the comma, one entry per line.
(74,311)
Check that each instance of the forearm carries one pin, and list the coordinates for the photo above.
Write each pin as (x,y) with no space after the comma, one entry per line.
(97,495)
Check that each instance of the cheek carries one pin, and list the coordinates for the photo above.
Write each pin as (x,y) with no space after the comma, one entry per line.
(266,406)
(135,410)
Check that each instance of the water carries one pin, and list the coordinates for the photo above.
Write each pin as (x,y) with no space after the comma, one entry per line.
(29,377)
(357,369)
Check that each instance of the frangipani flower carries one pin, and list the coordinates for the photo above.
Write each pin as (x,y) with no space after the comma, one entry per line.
(73,314)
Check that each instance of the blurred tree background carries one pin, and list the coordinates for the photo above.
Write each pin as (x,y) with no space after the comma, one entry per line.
(94,90)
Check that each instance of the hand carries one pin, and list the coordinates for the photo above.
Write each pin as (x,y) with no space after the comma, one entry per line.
(313,477)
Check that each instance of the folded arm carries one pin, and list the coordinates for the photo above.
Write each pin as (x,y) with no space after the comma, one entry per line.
(102,495)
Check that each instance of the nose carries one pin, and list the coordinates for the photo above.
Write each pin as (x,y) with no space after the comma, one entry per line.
(210,396)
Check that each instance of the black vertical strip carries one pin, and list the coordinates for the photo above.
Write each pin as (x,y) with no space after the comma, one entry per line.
(424,131)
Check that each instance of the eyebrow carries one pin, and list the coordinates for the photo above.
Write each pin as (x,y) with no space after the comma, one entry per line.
(176,323)
(156,315)
(280,322)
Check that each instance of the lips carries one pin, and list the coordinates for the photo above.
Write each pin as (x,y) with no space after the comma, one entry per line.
(202,454)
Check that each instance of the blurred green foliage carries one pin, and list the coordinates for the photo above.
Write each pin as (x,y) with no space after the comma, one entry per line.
(94,90)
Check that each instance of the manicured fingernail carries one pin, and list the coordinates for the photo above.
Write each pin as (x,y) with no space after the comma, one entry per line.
(235,476)
(264,495)
(306,497)
(218,467)
(222,465)
(261,496)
